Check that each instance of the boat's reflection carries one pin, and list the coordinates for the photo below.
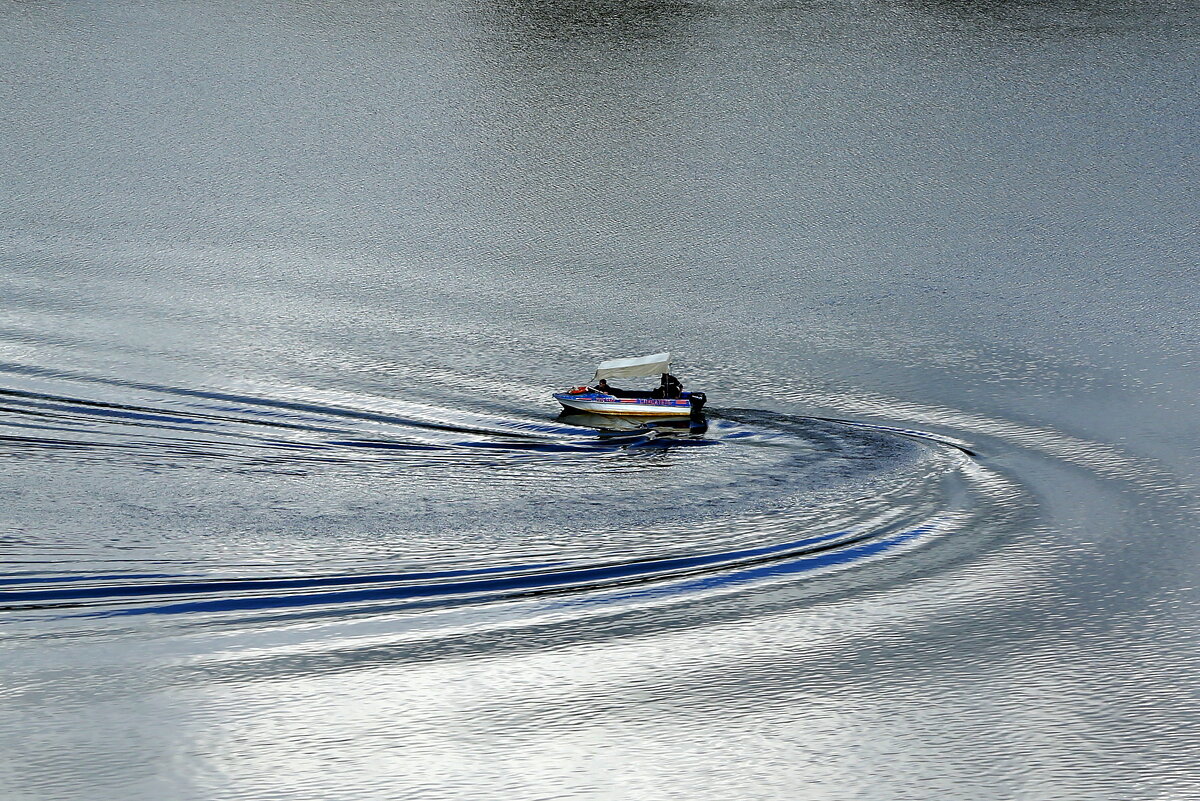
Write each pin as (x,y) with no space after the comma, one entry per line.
(613,422)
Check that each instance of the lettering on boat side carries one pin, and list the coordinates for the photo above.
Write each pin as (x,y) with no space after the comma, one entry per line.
(653,401)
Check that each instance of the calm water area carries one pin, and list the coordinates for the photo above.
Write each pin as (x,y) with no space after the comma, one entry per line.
(287,510)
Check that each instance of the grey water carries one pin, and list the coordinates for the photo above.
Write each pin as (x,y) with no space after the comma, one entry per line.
(287,510)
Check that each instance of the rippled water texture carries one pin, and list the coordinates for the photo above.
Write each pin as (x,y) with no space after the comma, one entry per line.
(287,511)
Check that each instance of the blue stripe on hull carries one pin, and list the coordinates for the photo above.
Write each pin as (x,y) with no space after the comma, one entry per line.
(641,407)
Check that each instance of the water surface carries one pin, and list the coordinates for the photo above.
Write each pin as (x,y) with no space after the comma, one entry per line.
(286,509)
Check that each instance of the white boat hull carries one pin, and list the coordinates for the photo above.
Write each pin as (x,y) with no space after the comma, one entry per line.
(626,407)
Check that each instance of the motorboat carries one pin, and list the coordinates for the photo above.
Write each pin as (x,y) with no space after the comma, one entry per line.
(666,401)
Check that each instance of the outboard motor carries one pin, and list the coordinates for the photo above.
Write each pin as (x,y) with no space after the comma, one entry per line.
(698,399)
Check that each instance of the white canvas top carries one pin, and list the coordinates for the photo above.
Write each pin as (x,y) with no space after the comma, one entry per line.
(635,367)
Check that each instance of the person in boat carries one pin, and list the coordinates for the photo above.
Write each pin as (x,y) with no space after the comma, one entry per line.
(669,387)
(604,387)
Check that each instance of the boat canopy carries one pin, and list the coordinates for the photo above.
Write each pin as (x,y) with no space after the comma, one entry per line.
(636,367)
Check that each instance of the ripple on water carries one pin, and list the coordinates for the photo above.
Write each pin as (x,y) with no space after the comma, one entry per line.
(577,517)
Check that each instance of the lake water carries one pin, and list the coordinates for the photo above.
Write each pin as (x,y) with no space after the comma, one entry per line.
(287,510)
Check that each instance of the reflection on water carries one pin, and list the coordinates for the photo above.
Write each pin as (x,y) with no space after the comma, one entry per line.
(616,422)
(288,509)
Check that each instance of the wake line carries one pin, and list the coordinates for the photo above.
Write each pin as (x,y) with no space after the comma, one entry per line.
(494,588)
(225,397)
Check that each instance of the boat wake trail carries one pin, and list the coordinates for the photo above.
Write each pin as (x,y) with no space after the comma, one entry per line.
(540,515)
